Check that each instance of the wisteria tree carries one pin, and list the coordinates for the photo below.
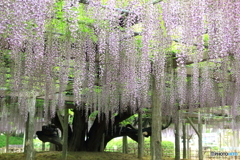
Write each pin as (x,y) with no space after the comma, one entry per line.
(115,58)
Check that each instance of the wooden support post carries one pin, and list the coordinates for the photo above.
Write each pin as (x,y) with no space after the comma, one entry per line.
(156,138)
(233,143)
(188,141)
(30,153)
(184,140)
(25,138)
(65,134)
(190,153)
(102,143)
(140,136)
(237,138)
(200,147)
(7,135)
(177,137)
(125,145)
(52,147)
(43,146)
(220,139)
(199,133)
(188,148)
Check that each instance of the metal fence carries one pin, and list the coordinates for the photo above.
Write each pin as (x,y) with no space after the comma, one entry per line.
(192,154)
(166,152)
(12,149)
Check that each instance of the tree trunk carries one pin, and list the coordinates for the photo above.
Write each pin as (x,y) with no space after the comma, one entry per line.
(80,127)
(156,124)
(184,140)
(83,139)
(93,141)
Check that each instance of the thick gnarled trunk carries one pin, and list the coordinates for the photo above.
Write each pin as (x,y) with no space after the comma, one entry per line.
(80,126)
(82,137)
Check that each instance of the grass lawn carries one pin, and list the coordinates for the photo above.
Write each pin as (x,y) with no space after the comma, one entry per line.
(50,155)
(73,156)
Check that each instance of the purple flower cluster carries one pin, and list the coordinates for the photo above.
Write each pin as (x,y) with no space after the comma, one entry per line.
(108,71)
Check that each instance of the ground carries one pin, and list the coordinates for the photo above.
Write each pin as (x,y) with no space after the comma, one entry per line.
(76,156)
(73,156)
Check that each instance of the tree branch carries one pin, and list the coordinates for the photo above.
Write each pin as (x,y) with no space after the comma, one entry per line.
(60,118)
(83,1)
(157,1)
(123,12)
